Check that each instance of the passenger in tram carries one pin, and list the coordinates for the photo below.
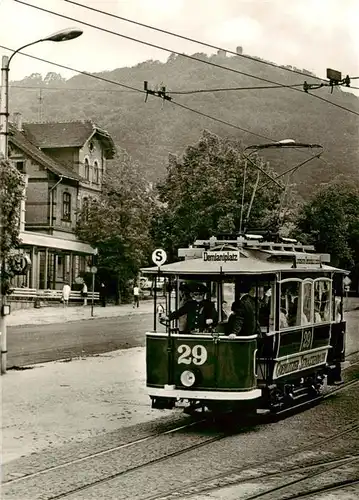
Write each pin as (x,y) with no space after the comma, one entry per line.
(243,320)
(200,313)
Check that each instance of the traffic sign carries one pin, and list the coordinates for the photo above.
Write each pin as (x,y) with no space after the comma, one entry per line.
(159,257)
(94,269)
(347,281)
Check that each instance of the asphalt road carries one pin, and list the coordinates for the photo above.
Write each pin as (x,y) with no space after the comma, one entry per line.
(41,343)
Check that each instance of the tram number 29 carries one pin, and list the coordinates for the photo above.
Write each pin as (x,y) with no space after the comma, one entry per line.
(196,355)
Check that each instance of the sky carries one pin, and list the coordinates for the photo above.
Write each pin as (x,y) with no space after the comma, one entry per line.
(311,34)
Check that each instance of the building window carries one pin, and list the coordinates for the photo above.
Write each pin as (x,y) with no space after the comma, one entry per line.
(87,169)
(20,166)
(95,172)
(66,206)
(85,208)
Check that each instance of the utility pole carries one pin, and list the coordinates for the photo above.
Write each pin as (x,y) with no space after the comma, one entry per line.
(4,107)
(4,128)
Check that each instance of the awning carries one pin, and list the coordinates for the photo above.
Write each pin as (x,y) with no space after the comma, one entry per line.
(47,241)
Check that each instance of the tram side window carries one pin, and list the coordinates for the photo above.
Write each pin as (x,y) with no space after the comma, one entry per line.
(322,300)
(290,314)
(306,316)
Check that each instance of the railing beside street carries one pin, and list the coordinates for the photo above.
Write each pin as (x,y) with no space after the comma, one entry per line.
(29,294)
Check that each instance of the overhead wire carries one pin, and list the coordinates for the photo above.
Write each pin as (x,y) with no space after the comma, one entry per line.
(227,68)
(143,92)
(188,39)
(171,92)
(302,72)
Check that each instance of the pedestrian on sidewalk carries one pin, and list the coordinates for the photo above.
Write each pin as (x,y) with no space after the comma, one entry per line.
(136,295)
(103,294)
(66,290)
(84,293)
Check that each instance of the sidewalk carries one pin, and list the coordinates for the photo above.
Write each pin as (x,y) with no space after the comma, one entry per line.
(48,315)
(60,314)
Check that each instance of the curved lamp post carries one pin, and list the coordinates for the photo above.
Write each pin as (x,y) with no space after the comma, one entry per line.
(59,36)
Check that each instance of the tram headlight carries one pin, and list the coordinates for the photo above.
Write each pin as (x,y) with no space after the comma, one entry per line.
(187,378)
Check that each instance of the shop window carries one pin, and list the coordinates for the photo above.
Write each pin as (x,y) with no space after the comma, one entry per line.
(66,206)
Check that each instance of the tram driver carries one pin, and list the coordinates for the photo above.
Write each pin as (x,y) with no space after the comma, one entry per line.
(200,313)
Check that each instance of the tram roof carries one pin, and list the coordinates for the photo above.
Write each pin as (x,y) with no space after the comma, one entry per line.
(245,265)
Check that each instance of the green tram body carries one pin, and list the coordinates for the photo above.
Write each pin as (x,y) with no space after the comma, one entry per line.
(267,370)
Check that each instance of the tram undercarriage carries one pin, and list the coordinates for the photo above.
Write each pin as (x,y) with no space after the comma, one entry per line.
(274,397)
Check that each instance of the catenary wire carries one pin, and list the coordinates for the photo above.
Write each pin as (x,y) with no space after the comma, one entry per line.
(180,54)
(144,92)
(199,42)
(188,39)
(133,89)
(172,92)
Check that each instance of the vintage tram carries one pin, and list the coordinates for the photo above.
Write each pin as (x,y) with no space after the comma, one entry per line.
(298,345)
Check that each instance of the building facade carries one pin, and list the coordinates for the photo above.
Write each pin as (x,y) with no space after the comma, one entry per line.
(64,165)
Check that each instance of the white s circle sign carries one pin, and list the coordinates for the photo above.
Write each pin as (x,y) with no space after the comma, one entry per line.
(159,257)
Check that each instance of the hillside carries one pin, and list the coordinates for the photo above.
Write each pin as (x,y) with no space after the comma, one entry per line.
(150,130)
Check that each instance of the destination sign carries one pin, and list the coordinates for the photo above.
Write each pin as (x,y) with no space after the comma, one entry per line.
(298,363)
(307,261)
(221,256)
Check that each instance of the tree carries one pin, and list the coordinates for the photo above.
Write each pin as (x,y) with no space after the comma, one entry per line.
(202,194)
(11,194)
(330,221)
(118,223)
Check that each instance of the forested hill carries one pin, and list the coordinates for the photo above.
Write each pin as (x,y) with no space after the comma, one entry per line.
(150,130)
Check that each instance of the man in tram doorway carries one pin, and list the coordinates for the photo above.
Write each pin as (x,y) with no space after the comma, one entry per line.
(243,320)
(200,312)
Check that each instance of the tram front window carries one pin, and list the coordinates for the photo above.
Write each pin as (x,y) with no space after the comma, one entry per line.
(195,313)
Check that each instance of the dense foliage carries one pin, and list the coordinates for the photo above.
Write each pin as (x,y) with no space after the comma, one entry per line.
(330,221)
(202,194)
(149,131)
(117,223)
(11,194)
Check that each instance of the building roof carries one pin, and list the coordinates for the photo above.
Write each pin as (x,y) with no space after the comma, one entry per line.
(67,135)
(20,141)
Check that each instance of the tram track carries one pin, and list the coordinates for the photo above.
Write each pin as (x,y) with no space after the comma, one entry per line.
(107,476)
(233,476)
(46,473)
(101,453)
(334,466)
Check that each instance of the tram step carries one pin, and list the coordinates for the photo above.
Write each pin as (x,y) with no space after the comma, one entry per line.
(299,393)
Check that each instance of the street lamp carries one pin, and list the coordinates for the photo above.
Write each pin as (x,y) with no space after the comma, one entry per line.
(59,36)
